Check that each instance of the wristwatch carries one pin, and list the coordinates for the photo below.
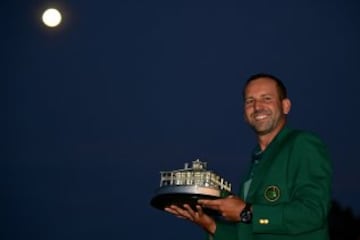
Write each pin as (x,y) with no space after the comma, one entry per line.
(246,214)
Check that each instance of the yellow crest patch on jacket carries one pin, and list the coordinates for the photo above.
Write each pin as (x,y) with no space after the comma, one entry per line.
(272,193)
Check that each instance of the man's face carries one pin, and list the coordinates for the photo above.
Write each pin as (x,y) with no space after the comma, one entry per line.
(263,109)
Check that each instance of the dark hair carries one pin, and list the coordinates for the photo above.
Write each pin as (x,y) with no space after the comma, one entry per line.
(280,85)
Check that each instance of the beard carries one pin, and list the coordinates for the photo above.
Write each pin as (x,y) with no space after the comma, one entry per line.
(263,128)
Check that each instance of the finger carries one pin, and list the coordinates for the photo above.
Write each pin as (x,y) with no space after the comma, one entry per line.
(203,201)
(177,211)
(209,202)
(190,211)
(199,210)
(169,210)
(213,204)
(188,208)
(172,208)
(186,212)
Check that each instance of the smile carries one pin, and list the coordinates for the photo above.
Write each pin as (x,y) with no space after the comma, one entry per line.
(260,117)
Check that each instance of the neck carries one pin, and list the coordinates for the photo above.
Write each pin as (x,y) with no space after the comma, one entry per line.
(265,140)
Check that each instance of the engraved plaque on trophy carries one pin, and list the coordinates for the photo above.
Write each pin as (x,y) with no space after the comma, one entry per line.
(187,185)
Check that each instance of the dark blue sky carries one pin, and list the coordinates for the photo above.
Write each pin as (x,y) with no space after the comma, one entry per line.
(124,89)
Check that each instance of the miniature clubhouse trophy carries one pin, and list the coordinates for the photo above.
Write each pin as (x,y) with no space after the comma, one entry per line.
(187,185)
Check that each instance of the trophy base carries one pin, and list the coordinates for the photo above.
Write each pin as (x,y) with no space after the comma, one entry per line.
(180,195)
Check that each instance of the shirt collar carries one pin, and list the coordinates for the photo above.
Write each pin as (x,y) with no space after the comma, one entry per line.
(257,153)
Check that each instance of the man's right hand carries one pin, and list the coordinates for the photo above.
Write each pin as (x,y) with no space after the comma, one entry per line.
(198,216)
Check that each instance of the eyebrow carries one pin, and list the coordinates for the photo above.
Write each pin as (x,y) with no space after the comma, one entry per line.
(262,95)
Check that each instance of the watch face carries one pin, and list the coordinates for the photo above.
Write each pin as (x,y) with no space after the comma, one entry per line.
(246,216)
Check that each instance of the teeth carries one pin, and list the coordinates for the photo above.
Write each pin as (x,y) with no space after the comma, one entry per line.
(260,117)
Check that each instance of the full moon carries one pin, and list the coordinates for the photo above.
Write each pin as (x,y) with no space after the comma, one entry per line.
(51,17)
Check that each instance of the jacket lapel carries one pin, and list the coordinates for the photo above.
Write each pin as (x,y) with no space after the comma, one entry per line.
(267,159)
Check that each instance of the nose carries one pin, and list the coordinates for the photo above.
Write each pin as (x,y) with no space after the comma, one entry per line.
(257,105)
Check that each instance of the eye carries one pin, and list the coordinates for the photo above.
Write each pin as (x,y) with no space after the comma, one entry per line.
(249,101)
(267,99)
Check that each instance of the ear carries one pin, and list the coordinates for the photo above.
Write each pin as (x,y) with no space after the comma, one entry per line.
(286,105)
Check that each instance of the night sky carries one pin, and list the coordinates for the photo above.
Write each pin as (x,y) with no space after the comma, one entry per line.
(122,90)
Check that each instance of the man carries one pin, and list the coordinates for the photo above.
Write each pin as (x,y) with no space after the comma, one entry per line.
(287,192)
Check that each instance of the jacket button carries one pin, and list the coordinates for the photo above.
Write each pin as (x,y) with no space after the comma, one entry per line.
(264,221)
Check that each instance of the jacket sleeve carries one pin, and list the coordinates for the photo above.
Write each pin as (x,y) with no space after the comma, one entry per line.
(309,176)
(224,231)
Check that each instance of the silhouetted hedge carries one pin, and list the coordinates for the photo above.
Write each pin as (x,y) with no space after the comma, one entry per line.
(343,224)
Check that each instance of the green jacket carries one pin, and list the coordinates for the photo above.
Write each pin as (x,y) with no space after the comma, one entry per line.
(290,192)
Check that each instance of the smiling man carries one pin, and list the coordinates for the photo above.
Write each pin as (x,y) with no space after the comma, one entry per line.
(287,192)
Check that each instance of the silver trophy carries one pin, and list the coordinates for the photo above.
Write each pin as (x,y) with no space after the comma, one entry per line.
(187,185)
